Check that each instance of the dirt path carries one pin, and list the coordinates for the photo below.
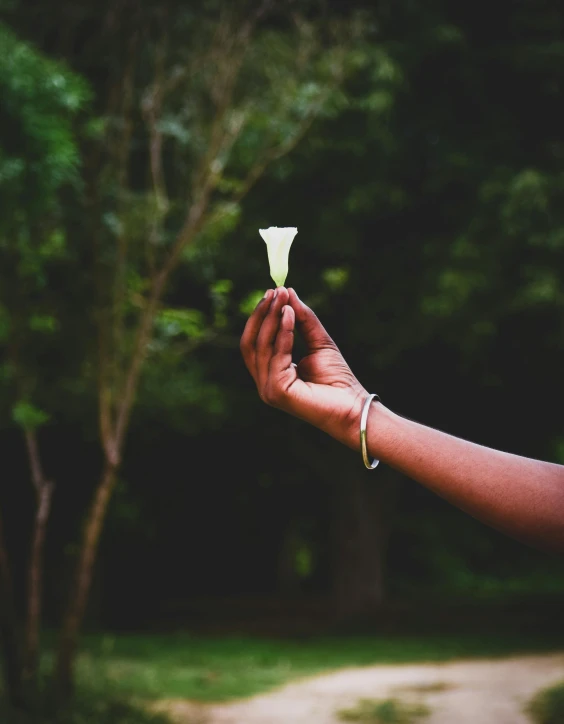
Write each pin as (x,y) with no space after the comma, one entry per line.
(462,692)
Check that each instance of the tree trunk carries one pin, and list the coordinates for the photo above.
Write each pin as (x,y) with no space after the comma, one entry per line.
(9,631)
(361,527)
(82,581)
(35,583)
(361,521)
(43,493)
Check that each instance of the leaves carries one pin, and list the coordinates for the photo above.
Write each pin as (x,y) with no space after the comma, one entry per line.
(39,161)
(29,417)
(186,322)
(39,98)
(43,323)
(248,304)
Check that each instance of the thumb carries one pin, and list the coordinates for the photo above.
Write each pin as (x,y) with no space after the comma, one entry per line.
(311,329)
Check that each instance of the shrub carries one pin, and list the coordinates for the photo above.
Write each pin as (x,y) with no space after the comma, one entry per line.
(547,707)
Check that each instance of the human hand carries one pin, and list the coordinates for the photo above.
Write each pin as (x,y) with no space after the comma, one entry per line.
(321,389)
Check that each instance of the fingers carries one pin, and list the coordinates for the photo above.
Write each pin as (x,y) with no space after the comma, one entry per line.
(267,335)
(282,373)
(251,331)
(313,332)
(281,360)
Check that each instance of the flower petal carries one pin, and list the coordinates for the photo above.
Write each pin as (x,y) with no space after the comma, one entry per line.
(278,242)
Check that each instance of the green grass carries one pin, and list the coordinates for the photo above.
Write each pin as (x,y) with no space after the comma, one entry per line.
(547,707)
(220,669)
(385,711)
(118,675)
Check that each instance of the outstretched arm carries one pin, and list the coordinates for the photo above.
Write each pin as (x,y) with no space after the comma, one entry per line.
(522,497)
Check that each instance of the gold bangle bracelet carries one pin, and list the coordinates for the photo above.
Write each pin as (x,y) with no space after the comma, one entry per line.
(363,420)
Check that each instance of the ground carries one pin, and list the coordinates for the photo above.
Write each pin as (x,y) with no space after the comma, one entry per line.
(465,692)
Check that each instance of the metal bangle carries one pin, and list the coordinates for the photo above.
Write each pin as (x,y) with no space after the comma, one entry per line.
(363,420)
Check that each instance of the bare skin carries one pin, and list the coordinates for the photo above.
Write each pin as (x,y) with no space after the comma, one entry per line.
(518,495)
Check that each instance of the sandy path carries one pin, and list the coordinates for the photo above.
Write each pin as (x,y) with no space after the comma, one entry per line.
(462,692)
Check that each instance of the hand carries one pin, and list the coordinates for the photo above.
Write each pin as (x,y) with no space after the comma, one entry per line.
(321,389)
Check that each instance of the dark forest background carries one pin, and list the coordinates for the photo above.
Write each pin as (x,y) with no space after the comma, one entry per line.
(418,147)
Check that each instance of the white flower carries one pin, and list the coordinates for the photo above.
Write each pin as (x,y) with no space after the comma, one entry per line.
(278,243)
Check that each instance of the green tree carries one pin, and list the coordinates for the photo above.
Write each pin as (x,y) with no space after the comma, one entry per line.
(199,103)
(38,159)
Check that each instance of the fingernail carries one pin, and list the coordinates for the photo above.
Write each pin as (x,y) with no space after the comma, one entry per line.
(275,294)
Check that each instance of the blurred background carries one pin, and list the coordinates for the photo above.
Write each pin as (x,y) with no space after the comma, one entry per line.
(149,500)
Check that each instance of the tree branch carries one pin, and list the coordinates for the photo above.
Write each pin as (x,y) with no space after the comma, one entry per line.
(151,107)
(137,358)
(274,154)
(35,581)
(229,49)
(37,477)
(144,330)
(123,153)
(104,390)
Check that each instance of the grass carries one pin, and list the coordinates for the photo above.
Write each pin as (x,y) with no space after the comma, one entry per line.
(385,711)
(118,676)
(547,707)
(221,669)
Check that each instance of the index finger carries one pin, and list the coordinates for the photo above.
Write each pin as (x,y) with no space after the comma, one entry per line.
(313,332)
(251,331)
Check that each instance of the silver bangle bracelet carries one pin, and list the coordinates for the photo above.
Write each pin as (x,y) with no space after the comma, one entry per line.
(363,420)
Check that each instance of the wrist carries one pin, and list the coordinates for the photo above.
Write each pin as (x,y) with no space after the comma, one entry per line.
(377,425)
(350,430)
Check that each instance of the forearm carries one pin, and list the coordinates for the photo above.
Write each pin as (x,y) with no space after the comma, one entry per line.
(520,496)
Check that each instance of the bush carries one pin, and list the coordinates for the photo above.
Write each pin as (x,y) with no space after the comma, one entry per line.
(547,707)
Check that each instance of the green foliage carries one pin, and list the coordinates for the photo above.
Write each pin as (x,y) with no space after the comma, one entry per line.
(228,101)
(385,711)
(248,304)
(175,392)
(222,220)
(39,161)
(28,416)
(187,322)
(43,323)
(38,151)
(223,668)
(547,707)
